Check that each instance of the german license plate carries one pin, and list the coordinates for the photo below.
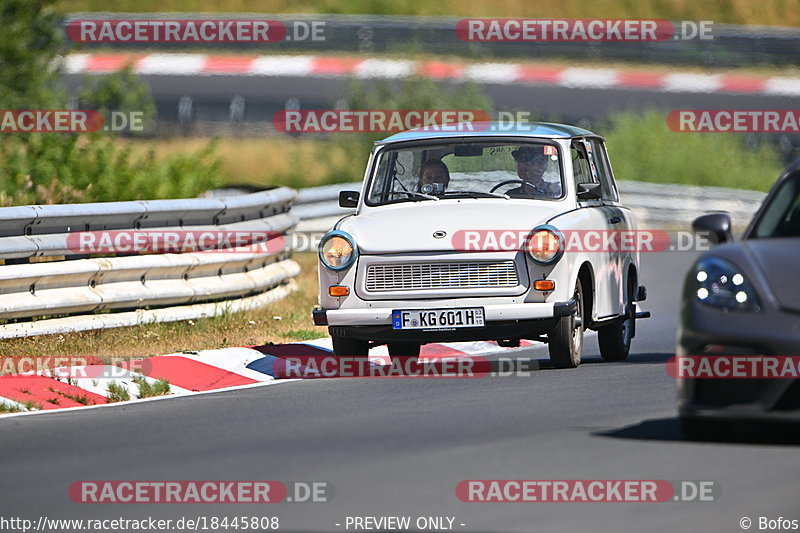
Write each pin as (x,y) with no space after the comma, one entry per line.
(464,317)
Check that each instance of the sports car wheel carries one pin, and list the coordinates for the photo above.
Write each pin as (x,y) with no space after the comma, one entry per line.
(565,341)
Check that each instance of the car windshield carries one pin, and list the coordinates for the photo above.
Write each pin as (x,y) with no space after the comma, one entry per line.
(781,217)
(472,170)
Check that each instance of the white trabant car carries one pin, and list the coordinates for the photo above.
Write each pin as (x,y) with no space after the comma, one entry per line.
(483,235)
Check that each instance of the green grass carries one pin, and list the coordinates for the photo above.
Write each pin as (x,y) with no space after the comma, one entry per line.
(148,390)
(81,399)
(771,12)
(304,334)
(6,407)
(642,148)
(277,322)
(117,393)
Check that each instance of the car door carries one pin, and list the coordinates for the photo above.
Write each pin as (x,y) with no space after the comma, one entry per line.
(599,221)
(620,220)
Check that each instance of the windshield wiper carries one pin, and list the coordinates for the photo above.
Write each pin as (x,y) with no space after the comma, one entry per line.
(478,194)
(418,194)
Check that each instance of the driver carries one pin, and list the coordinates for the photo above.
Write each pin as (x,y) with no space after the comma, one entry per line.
(531,166)
(434,176)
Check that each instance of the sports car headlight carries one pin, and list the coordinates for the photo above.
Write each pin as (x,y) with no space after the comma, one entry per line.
(545,244)
(720,283)
(337,250)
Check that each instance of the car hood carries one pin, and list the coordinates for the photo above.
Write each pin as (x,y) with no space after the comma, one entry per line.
(777,261)
(409,227)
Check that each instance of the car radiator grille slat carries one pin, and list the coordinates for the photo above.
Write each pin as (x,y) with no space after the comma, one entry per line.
(411,276)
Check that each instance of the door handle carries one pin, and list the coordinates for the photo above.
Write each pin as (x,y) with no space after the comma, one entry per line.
(615,220)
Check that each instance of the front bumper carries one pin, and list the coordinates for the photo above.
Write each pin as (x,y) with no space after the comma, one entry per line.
(739,413)
(507,321)
(708,332)
(382,316)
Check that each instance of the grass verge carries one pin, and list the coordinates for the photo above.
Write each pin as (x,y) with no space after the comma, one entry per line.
(264,162)
(147,390)
(287,320)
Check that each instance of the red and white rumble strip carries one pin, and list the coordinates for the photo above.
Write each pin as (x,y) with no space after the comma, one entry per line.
(85,382)
(497,73)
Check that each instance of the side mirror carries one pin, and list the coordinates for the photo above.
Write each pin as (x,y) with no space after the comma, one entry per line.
(716,226)
(589,191)
(348,198)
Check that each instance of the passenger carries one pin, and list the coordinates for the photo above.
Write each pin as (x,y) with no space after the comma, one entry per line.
(434,176)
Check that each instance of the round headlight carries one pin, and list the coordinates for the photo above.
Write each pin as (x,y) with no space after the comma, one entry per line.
(720,283)
(337,250)
(545,244)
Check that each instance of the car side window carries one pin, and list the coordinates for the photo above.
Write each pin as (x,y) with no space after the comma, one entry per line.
(580,164)
(600,158)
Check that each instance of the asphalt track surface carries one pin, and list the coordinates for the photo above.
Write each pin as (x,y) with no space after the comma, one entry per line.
(399,446)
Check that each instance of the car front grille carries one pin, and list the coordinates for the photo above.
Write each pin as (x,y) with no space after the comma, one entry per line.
(411,276)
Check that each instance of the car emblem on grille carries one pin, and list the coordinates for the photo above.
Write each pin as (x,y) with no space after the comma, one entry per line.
(439,234)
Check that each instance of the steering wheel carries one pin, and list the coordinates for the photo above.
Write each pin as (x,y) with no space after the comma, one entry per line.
(507,182)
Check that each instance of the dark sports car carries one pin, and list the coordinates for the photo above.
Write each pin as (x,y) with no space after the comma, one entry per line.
(743,299)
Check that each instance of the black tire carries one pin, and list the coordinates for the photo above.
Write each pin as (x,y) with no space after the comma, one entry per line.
(615,339)
(404,353)
(347,347)
(706,430)
(404,349)
(565,341)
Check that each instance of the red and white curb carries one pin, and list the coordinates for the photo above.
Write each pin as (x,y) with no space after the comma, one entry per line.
(496,73)
(188,373)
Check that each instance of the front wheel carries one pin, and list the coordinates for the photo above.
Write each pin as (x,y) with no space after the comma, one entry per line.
(347,347)
(565,341)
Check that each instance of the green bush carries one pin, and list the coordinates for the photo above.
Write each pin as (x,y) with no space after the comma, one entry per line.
(643,148)
(66,167)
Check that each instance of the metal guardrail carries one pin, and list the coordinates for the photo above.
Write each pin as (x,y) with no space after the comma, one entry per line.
(179,285)
(731,46)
